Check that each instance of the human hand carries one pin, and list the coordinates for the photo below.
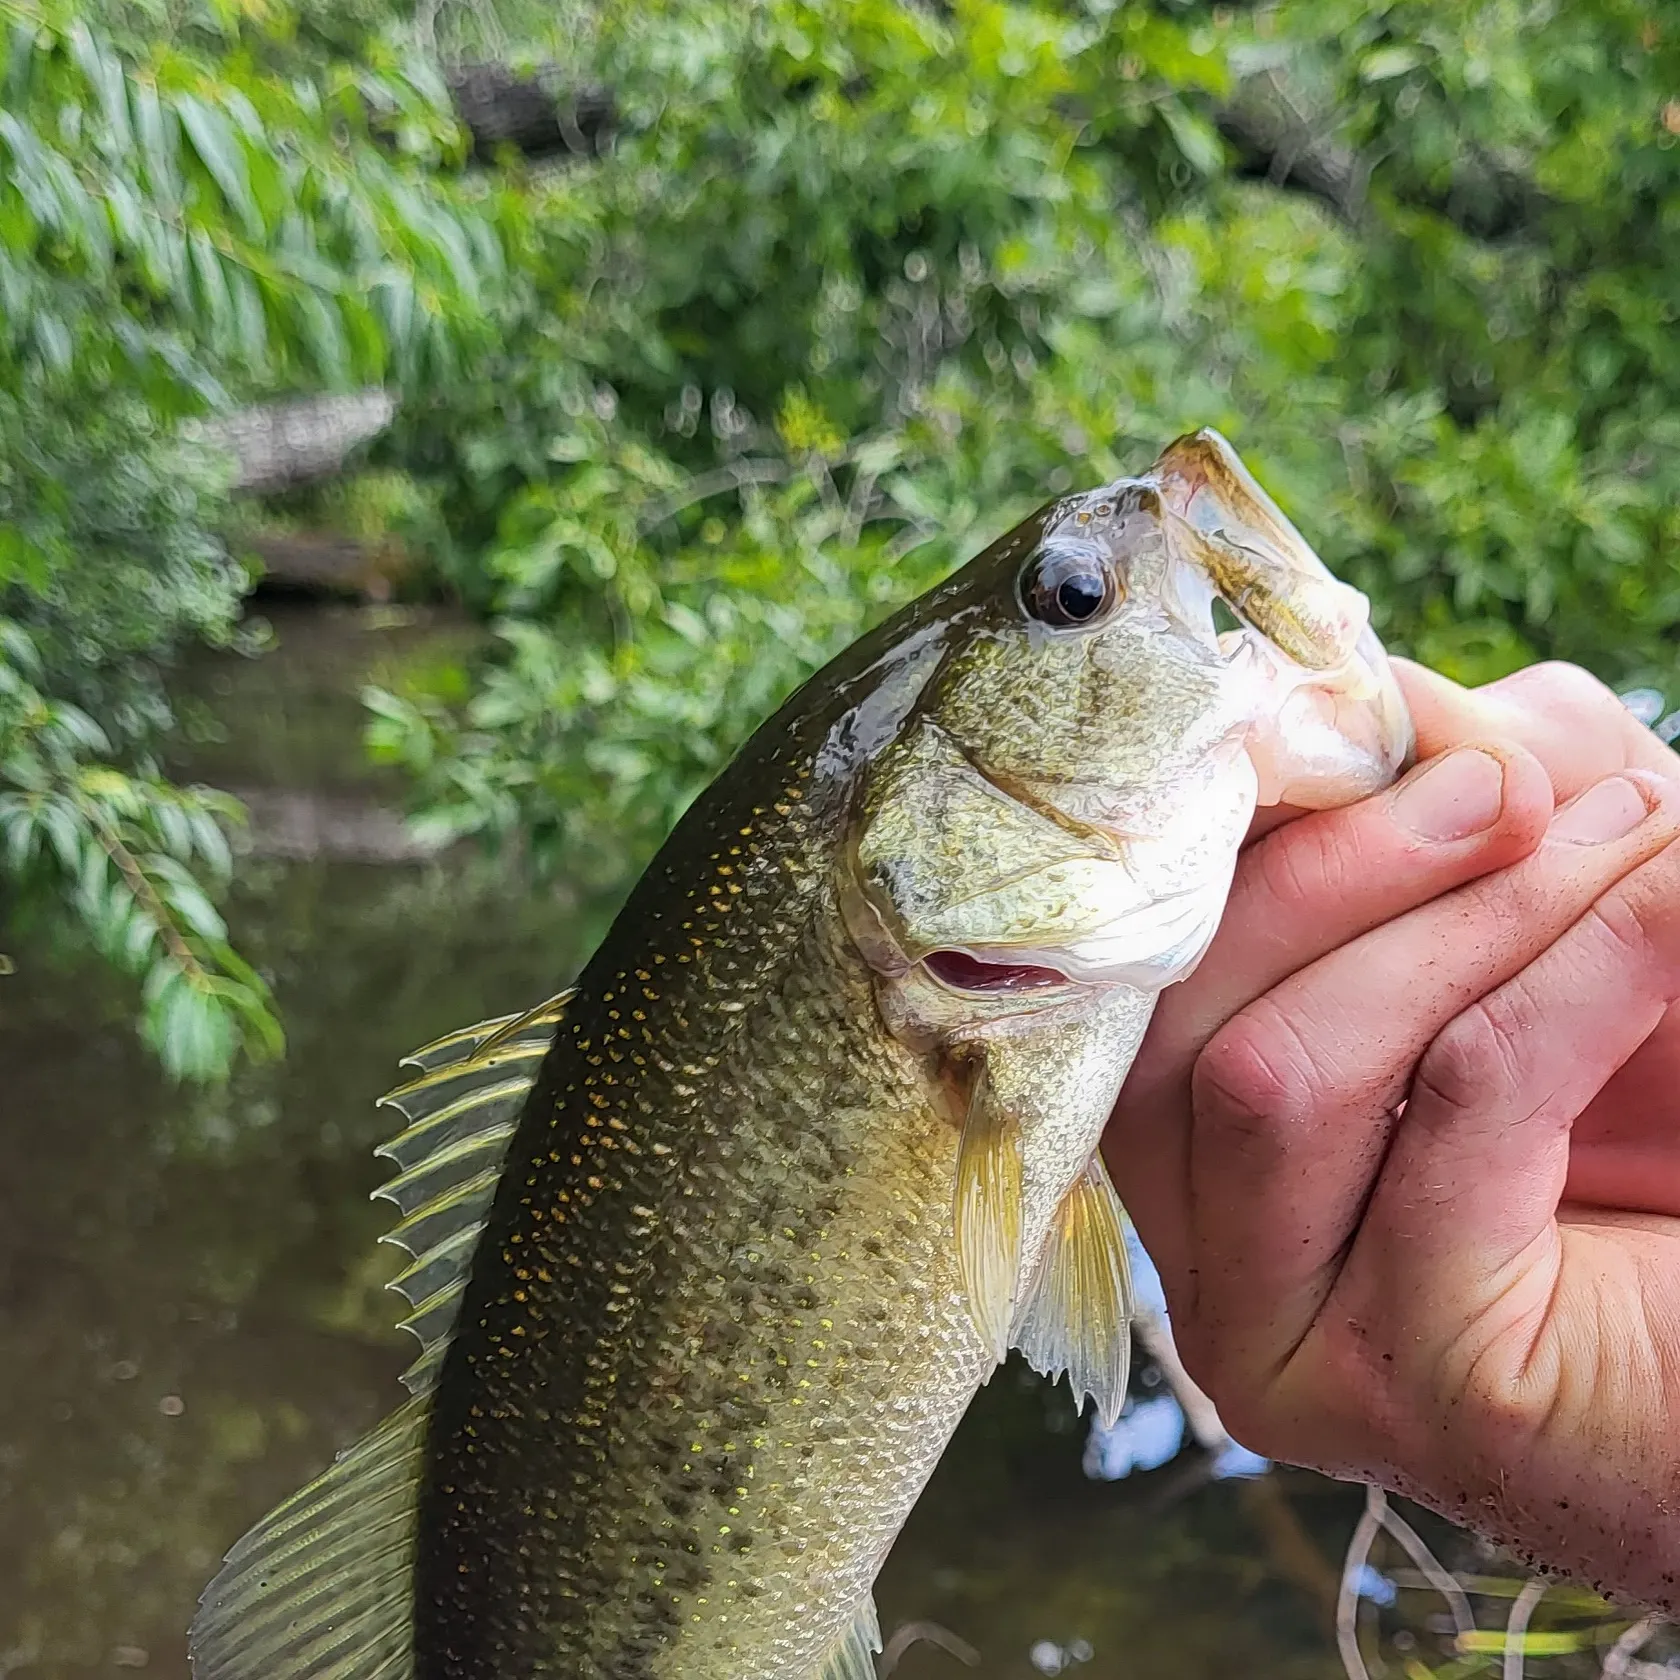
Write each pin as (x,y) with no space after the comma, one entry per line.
(1475,1300)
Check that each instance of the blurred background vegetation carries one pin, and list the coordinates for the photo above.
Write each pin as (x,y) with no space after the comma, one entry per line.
(611,366)
(677,341)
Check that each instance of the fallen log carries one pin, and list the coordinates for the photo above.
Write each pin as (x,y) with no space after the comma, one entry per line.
(280,444)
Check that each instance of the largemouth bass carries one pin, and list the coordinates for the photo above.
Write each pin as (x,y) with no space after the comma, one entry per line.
(710,1254)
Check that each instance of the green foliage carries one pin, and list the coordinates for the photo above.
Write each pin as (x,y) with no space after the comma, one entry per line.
(249,225)
(127,853)
(182,226)
(865,281)
(861,282)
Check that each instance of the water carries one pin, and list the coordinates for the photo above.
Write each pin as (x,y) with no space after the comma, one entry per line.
(192,1312)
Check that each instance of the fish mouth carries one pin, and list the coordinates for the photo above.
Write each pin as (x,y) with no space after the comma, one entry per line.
(961,971)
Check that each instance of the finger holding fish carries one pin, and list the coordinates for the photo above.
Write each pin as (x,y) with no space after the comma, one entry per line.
(1464,1330)
(1300,893)
(1566,717)
(1294,1100)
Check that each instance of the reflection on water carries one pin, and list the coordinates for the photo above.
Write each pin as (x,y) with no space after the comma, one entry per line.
(192,1317)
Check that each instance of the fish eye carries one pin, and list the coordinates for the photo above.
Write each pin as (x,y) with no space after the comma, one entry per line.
(1069,587)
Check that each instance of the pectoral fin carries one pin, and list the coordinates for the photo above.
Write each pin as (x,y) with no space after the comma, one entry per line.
(1078,1315)
(988,1213)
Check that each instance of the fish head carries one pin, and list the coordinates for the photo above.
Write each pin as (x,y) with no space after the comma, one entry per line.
(1046,832)
(1046,838)
(1065,804)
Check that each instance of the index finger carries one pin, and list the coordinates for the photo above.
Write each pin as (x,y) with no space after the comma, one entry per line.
(1565,716)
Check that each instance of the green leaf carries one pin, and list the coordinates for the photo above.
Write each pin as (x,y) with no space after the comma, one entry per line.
(155,128)
(219,150)
(1195,138)
(1385,63)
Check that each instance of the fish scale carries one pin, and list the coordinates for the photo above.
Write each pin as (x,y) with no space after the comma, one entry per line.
(807,1178)
(814,1139)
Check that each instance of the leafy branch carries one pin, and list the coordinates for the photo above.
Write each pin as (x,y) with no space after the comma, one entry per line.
(128,856)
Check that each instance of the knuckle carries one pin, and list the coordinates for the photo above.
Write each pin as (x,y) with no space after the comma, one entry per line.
(1639,921)
(1308,1408)
(1619,918)
(1255,1077)
(1243,1393)
(1477,1054)
(1557,686)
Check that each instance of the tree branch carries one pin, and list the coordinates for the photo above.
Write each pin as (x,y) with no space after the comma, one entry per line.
(1276,140)
(140,885)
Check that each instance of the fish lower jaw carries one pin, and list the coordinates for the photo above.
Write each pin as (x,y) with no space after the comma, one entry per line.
(1145,950)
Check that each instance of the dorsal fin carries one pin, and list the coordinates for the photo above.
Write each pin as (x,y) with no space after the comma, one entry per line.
(461,1111)
(322,1587)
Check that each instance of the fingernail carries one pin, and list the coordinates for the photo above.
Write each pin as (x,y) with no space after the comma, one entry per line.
(1606,811)
(1453,797)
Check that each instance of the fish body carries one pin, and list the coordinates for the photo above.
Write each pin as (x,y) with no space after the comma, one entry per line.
(712,1255)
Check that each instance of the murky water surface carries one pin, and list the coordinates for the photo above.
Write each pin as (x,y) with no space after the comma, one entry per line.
(192,1312)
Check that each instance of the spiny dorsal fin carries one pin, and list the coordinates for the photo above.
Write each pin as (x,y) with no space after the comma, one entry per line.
(853,1656)
(988,1213)
(1078,1315)
(322,1587)
(461,1111)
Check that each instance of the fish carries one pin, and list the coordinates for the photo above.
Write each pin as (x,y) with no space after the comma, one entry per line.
(709,1254)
